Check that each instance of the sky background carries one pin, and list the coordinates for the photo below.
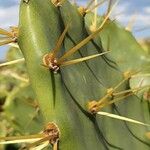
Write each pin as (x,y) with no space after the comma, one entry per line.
(9,10)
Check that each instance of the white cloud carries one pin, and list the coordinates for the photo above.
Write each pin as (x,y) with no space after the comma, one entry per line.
(121,8)
(9,16)
(124,15)
(147,10)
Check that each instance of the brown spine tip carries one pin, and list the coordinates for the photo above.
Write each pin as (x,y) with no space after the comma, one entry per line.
(26,1)
(93,107)
(53,132)
(50,62)
(82,11)
(57,3)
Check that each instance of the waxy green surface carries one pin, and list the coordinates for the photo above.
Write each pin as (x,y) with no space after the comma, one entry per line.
(63,97)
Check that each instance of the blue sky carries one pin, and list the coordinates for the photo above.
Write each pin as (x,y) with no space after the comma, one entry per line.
(9,10)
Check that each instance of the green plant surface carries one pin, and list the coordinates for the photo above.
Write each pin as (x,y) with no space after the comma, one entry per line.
(76,77)
(126,52)
(120,43)
(63,97)
(142,80)
(45,27)
(21,107)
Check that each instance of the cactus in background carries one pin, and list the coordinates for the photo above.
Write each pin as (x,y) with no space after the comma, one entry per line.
(145,43)
(82,67)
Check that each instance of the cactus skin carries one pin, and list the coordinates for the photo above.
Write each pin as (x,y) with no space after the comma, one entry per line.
(117,37)
(46,34)
(75,133)
(126,52)
(63,97)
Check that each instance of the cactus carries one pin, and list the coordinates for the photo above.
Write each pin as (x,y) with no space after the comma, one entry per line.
(79,73)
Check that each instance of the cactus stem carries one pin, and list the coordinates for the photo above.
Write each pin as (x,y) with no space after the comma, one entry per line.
(12,62)
(108,44)
(121,118)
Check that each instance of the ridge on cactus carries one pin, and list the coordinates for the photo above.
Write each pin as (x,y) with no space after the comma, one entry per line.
(73,80)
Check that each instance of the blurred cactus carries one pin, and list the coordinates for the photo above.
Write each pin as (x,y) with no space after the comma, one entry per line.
(145,43)
(78,67)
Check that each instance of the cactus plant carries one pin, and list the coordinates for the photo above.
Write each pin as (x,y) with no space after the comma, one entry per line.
(76,80)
